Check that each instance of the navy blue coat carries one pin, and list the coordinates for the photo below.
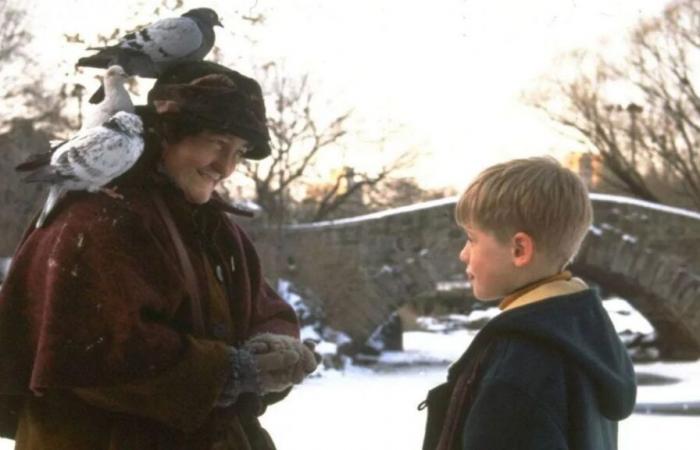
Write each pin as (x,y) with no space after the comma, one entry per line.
(551,375)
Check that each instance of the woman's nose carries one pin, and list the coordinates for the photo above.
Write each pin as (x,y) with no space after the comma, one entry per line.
(225,162)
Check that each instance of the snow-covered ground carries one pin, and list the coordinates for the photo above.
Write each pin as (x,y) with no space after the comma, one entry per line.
(376,408)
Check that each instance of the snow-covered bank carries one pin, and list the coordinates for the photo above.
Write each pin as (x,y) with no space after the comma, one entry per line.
(376,409)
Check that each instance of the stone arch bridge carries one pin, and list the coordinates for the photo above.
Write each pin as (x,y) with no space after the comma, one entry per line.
(361,269)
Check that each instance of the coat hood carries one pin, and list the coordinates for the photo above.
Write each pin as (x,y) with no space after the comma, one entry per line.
(577,326)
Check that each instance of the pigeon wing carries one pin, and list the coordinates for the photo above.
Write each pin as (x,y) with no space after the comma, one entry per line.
(107,154)
(59,170)
(67,161)
(165,40)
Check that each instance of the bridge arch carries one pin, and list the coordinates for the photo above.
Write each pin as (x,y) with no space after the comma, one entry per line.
(362,268)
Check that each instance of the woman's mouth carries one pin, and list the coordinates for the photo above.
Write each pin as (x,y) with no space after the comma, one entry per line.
(211,175)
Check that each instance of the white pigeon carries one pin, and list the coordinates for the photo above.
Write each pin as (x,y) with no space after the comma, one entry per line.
(89,160)
(158,46)
(116,99)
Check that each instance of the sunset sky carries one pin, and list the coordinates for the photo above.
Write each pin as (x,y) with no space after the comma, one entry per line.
(442,77)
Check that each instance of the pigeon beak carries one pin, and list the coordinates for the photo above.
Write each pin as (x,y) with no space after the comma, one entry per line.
(218,22)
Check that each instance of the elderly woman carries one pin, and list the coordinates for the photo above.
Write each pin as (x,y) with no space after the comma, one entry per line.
(145,322)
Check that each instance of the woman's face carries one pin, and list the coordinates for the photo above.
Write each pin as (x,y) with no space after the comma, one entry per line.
(198,163)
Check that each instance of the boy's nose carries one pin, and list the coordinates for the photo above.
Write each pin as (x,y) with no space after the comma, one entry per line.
(464,255)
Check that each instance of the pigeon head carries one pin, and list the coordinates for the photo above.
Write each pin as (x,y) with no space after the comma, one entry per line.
(116,73)
(126,123)
(204,15)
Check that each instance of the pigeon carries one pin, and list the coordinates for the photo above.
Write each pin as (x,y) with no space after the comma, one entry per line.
(158,46)
(116,98)
(88,161)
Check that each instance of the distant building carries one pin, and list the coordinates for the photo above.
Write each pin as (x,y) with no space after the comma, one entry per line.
(588,166)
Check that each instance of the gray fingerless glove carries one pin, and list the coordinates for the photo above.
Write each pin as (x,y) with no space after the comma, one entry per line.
(244,377)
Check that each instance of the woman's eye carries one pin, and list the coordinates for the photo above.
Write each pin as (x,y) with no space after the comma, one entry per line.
(220,146)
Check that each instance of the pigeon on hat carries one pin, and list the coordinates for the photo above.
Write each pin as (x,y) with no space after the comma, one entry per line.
(154,48)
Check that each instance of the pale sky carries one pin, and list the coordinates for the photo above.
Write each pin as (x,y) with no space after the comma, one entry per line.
(445,75)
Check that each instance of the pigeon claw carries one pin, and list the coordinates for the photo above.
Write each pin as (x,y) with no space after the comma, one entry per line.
(112,192)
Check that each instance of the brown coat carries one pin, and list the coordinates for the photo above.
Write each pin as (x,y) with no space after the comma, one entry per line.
(96,331)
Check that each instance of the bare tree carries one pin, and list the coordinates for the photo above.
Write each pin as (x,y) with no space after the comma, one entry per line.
(20,201)
(332,199)
(25,94)
(298,138)
(394,192)
(657,129)
(13,35)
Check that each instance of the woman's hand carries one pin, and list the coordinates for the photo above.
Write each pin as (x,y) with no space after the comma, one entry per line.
(266,345)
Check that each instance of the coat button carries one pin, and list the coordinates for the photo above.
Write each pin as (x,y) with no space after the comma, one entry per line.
(219,330)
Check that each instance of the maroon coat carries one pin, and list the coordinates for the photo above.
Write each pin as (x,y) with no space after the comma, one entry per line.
(94,313)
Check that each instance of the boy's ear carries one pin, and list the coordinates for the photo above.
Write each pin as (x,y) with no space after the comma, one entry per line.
(523,249)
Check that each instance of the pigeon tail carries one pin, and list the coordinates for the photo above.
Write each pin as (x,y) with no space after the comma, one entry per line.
(55,194)
(34,162)
(46,174)
(100,60)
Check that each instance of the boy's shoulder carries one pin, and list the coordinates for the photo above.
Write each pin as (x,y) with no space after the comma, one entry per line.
(543,347)
(517,360)
(536,340)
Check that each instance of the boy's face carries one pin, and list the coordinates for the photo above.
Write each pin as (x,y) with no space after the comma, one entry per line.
(490,267)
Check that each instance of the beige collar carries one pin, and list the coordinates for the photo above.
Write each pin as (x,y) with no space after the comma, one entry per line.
(548,290)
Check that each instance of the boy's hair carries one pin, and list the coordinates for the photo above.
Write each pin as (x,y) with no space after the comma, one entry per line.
(534,195)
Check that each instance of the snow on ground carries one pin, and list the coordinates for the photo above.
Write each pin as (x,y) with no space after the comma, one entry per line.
(644,204)
(376,215)
(451,200)
(625,318)
(375,409)
(428,349)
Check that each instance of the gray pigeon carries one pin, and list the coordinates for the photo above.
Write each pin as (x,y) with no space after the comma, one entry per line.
(89,160)
(156,47)
(116,99)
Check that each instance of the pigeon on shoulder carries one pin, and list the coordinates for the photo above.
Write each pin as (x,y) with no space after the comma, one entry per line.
(88,161)
(116,98)
(151,50)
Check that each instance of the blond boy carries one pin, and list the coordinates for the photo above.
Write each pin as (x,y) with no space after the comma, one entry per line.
(549,372)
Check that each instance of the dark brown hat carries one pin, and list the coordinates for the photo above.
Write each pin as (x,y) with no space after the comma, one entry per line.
(215,98)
